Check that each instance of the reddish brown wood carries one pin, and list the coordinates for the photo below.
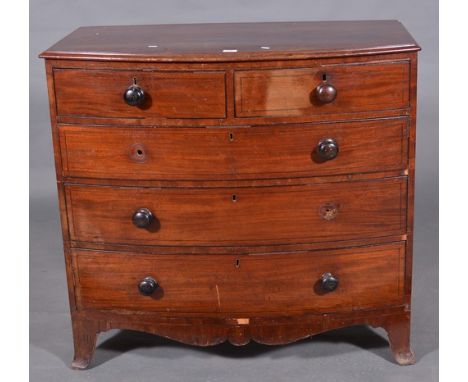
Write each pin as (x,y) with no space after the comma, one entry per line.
(232,153)
(209,42)
(146,119)
(369,277)
(95,93)
(411,172)
(200,330)
(398,330)
(291,92)
(236,250)
(247,216)
(85,333)
(190,167)
(235,183)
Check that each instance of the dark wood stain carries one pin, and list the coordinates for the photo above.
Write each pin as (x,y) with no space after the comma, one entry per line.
(233,41)
(278,215)
(93,93)
(246,214)
(232,153)
(285,92)
(369,277)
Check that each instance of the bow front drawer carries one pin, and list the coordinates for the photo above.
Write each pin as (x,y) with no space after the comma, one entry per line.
(236,182)
(237,216)
(234,153)
(139,94)
(318,281)
(327,89)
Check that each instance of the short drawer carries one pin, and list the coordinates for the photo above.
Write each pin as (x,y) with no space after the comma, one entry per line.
(237,216)
(293,92)
(100,94)
(240,153)
(321,281)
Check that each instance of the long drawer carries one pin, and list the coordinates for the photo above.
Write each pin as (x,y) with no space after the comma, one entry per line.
(363,277)
(237,216)
(345,88)
(227,153)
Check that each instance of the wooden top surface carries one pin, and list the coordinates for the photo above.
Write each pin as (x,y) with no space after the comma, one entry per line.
(233,41)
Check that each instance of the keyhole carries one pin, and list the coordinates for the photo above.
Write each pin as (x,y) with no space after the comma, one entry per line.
(324,76)
(134,81)
(231,137)
(234,198)
(237,263)
(139,152)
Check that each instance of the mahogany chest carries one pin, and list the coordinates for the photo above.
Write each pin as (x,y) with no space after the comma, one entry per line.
(236,181)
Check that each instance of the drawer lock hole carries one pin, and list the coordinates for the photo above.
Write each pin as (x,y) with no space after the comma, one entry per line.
(329,211)
(237,263)
(137,153)
(234,198)
(231,137)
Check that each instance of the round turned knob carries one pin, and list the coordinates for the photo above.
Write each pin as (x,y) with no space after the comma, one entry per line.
(327,149)
(325,92)
(142,218)
(134,95)
(147,286)
(329,282)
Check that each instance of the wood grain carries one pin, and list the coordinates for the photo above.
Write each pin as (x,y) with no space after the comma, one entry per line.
(96,93)
(189,173)
(217,328)
(231,153)
(233,41)
(147,119)
(238,216)
(368,277)
(291,92)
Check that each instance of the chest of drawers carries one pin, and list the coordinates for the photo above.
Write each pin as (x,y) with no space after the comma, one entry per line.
(236,181)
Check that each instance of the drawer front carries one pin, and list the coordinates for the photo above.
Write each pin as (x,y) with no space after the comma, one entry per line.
(226,153)
(100,94)
(238,216)
(292,92)
(367,277)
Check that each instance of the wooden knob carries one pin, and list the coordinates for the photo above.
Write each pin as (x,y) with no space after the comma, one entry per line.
(134,95)
(147,286)
(327,149)
(326,92)
(329,282)
(142,218)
